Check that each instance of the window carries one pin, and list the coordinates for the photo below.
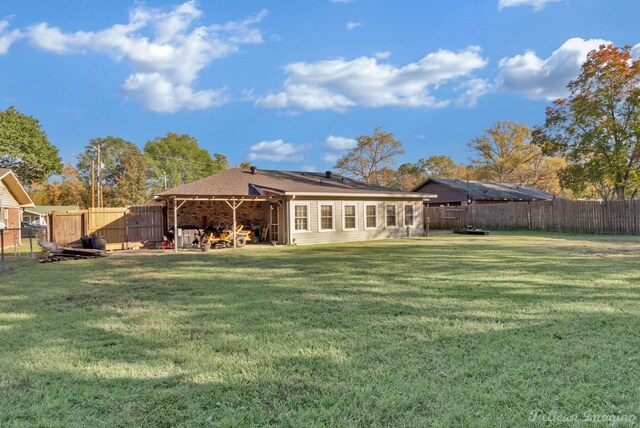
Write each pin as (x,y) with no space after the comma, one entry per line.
(391,215)
(408,215)
(301,217)
(371,216)
(350,216)
(326,217)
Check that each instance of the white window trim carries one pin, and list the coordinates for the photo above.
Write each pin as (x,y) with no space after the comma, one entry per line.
(413,215)
(350,204)
(386,224)
(375,205)
(333,216)
(293,217)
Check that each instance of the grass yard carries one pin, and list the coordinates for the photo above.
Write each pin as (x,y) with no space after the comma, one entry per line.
(443,331)
(22,256)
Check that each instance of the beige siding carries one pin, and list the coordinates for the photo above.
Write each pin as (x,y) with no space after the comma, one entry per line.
(6,198)
(315,236)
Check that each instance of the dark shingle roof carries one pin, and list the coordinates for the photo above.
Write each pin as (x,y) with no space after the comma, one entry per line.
(240,182)
(498,191)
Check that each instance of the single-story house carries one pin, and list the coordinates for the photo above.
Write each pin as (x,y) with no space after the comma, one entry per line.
(454,192)
(38,214)
(13,198)
(296,207)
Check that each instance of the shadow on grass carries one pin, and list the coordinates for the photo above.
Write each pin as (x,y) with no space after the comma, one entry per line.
(494,378)
(405,333)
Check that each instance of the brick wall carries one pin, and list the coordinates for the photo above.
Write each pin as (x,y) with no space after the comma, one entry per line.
(11,237)
(202,213)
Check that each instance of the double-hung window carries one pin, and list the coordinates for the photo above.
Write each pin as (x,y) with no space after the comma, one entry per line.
(326,217)
(371,216)
(391,215)
(408,215)
(349,217)
(301,217)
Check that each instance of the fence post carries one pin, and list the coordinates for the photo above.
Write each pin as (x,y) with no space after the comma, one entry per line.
(127,215)
(31,242)
(2,247)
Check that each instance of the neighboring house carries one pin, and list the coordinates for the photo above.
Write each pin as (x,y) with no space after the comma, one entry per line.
(455,192)
(13,198)
(39,213)
(297,207)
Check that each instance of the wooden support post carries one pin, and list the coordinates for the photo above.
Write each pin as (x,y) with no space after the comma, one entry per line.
(233,207)
(175,225)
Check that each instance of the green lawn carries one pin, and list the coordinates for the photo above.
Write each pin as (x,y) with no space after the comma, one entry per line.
(25,255)
(448,331)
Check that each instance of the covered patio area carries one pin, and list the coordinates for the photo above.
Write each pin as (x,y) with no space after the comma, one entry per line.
(264,215)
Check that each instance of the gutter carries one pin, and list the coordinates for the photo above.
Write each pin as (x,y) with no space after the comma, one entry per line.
(364,195)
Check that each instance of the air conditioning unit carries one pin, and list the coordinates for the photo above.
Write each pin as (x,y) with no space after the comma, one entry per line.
(2,225)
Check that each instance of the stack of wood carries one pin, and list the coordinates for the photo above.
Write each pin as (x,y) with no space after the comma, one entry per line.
(55,253)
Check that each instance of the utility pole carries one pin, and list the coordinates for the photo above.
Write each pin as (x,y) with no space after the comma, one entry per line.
(165,180)
(99,186)
(93,179)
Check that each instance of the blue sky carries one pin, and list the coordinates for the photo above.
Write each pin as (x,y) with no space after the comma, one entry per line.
(289,84)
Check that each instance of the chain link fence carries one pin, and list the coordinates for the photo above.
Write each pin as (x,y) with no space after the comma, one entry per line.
(19,247)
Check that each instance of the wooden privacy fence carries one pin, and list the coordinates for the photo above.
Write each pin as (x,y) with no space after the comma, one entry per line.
(560,215)
(122,228)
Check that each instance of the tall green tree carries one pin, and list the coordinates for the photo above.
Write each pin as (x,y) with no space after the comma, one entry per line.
(25,148)
(130,181)
(122,171)
(179,159)
(597,127)
(372,157)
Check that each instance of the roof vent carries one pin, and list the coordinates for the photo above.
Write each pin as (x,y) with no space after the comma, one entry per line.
(253,170)
(327,174)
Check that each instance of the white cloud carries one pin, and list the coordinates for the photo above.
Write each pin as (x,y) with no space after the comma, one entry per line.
(336,146)
(276,151)
(472,89)
(382,54)
(339,84)
(537,5)
(339,143)
(7,38)
(309,168)
(353,25)
(635,51)
(162,95)
(546,78)
(331,158)
(166,49)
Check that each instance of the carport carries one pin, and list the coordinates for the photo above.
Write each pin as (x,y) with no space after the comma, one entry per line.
(203,205)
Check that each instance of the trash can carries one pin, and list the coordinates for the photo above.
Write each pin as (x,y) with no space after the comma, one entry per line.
(87,242)
(99,243)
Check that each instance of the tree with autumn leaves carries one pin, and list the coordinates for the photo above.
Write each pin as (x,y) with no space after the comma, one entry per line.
(372,157)
(597,127)
(506,154)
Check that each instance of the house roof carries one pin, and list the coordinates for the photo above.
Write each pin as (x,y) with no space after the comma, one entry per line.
(12,183)
(241,182)
(492,191)
(44,209)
